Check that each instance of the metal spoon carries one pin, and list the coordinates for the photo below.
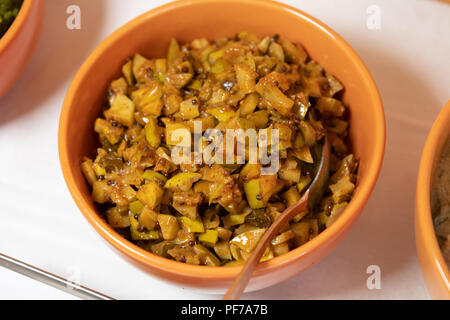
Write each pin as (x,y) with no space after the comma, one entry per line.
(311,197)
(51,279)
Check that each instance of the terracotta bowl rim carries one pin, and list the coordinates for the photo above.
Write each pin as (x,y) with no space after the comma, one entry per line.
(17,25)
(424,221)
(185,271)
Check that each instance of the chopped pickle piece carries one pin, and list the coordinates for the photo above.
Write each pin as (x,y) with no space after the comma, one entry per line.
(151,194)
(139,233)
(291,196)
(190,225)
(154,176)
(153,133)
(210,237)
(253,192)
(148,218)
(304,182)
(136,207)
(156,169)
(274,98)
(248,105)
(118,218)
(247,241)
(127,70)
(182,181)
(88,171)
(169,226)
(121,111)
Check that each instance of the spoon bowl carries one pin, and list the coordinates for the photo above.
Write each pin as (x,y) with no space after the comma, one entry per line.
(309,200)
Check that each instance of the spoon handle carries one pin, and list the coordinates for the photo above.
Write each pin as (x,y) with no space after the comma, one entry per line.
(51,279)
(240,282)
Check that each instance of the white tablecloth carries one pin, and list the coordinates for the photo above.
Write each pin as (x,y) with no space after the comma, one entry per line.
(409,57)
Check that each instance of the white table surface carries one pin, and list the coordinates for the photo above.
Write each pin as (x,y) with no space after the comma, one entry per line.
(409,57)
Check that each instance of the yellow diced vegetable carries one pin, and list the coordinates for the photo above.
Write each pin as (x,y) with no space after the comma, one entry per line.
(235,219)
(273,98)
(247,241)
(148,218)
(173,51)
(253,192)
(148,100)
(121,111)
(154,176)
(207,256)
(118,218)
(276,51)
(342,190)
(221,114)
(304,182)
(169,226)
(189,109)
(153,133)
(248,105)
(88,171)
(291,196)
(177,133)
(128,72)
(182,181)
(280,249)
(189,211)
(222,249)
(190,225)
(150,194)
(136,207)
(210,237)
(138,234)
(330,107)
(260,118)
(246,78)
(295,53)
(172,104)
(304,154)
(282,238)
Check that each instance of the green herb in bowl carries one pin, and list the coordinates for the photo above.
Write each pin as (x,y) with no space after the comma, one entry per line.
(8,12)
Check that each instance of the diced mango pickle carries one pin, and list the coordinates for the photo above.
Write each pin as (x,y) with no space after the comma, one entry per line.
(154,176)
(253,192)
(153,133)
(121,111)
(151,194)
(169,226)
(118,219)
(138,234)
(304,182)
(210,237)
(136,207)
(88,171)
(190,225)
(182,181)
(157,175)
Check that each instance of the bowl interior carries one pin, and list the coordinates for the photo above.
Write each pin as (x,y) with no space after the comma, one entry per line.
(150,35)
(434,267)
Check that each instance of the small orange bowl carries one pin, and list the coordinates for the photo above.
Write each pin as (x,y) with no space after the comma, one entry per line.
(149,34)
(434,269)
(18,43)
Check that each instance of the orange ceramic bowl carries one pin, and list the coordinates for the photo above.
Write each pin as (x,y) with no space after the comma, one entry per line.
(149,34)
(18,43)
(434,269)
